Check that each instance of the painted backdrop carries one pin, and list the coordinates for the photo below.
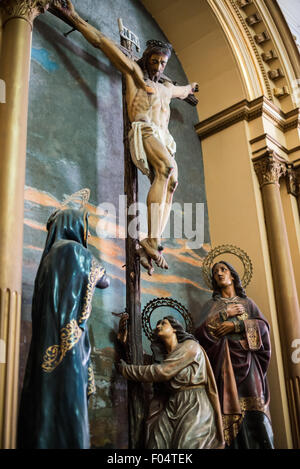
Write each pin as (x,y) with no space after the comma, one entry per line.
(75,140)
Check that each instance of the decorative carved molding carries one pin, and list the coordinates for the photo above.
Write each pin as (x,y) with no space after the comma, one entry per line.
(293,181)
(285,34)
(269,139)
(262,37)
(296,165)
(276,74)
(253,19)
(281,92)
(269,56)
(258,14)
(26,9)
(269,168)
(244,3)
(248,111)
(241,5)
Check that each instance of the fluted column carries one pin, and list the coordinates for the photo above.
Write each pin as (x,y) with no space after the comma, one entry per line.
(17,17)
(269,168)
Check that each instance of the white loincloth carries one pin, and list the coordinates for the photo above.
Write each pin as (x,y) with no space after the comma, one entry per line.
(138,132)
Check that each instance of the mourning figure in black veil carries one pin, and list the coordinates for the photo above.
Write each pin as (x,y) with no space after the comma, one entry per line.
(235,336)
(59,376)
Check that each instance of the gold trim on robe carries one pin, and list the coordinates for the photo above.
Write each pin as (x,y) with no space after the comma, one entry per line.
(71,333)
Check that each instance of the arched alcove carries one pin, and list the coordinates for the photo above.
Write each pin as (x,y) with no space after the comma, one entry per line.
(243,57)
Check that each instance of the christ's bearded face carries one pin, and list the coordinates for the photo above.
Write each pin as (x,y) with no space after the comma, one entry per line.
(156,65)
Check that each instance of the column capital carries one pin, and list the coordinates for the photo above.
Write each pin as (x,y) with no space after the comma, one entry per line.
(25,9)
(293,180)
(269,168)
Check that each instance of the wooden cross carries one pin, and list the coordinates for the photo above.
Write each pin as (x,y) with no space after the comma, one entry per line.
(136,408)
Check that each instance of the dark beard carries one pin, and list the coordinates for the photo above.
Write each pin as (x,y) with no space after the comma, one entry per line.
(156,77)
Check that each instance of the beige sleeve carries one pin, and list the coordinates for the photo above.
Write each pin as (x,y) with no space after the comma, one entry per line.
(185,354)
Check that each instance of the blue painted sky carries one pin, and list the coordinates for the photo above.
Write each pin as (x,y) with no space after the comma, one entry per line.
(42,57)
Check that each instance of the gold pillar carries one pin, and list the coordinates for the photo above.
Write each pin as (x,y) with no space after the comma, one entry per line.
(17,17)
(269,168)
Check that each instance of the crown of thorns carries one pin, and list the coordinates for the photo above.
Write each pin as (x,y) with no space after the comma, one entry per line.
(160,44)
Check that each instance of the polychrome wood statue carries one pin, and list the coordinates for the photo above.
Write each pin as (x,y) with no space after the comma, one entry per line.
(235,336)
(152,146)
(184,412)
(59,376)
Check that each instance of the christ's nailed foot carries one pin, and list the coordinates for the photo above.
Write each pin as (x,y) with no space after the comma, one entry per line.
(161,262)
(154,254)
(145,260)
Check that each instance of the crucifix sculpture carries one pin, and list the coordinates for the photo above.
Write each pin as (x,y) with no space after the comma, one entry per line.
(148,146)
(152,147)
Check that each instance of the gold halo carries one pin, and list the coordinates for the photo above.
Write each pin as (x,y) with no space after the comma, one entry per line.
(229,249)
(79,198)
(156,303)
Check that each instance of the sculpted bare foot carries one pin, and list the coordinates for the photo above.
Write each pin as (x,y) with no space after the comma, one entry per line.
(154,254)
(145,260)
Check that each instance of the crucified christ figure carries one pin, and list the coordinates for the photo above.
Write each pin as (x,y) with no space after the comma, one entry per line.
(151,145)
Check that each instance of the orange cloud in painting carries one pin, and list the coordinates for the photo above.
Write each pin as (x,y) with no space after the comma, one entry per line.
(184,254)
(40,197)
(112,253)
(156,292)
(33,248)
(109,250)
(35,225)
(163,279)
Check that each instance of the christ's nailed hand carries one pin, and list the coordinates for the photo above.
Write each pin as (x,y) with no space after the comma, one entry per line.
(65,7)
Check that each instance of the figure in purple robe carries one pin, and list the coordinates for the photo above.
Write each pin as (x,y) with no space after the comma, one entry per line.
(235,336)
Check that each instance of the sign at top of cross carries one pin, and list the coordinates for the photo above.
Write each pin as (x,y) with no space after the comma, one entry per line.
(128,38)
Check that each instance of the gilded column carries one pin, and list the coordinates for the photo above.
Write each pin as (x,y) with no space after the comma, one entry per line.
(269,168)
(17,19)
